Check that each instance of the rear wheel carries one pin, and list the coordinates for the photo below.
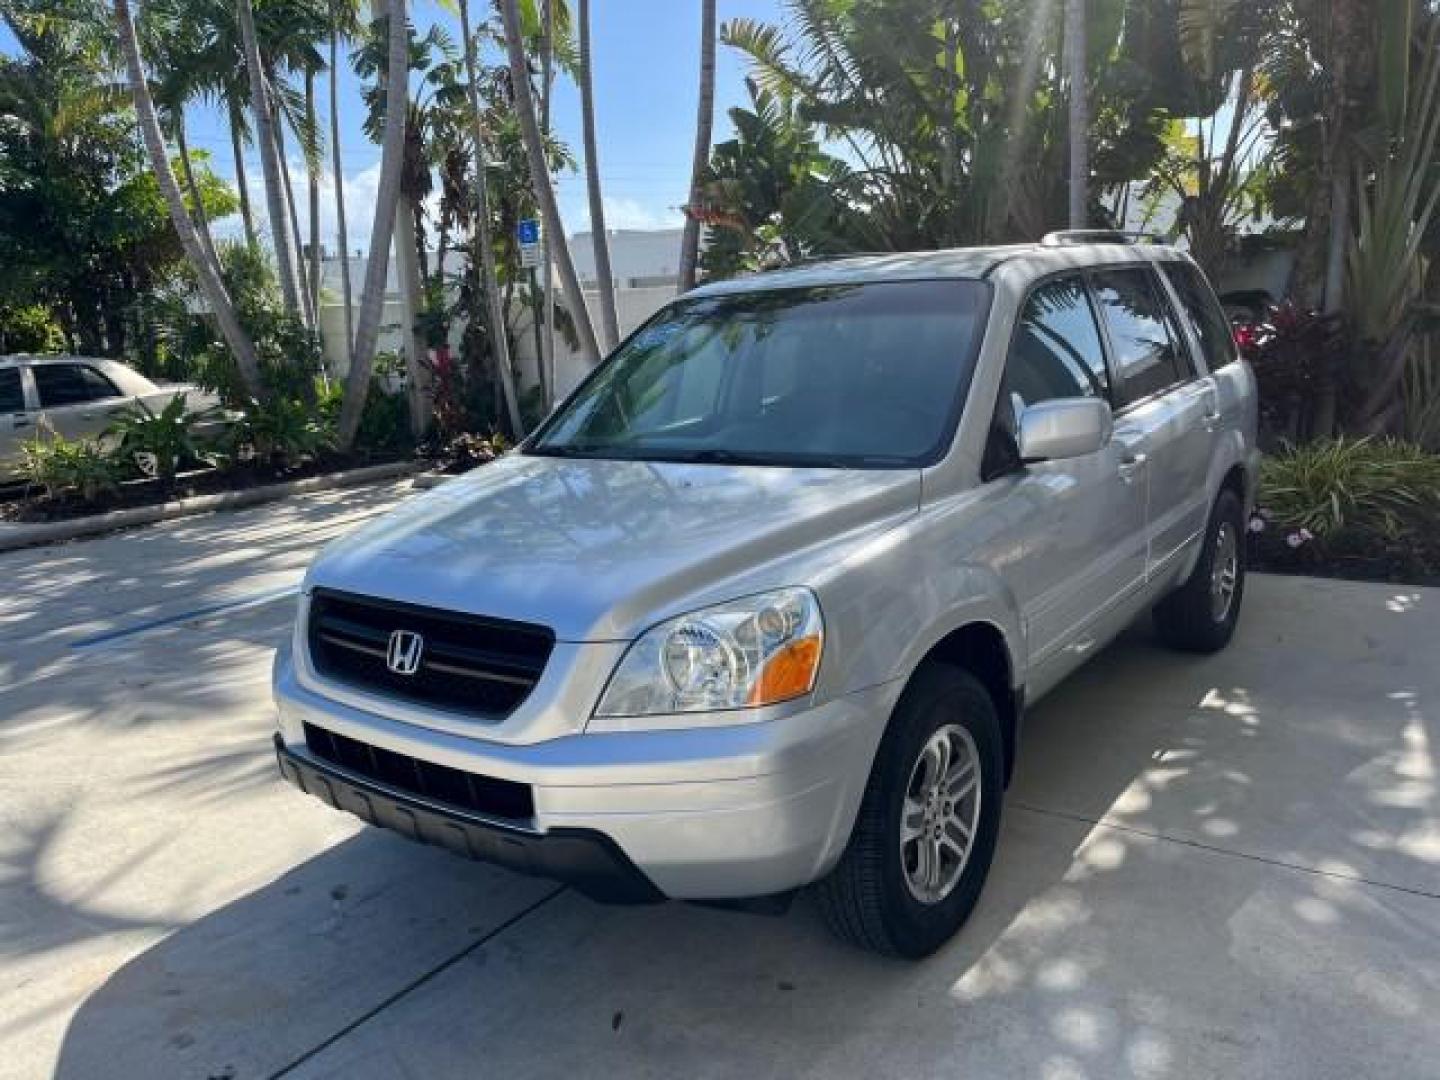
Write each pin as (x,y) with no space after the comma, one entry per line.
(1200,615)
(925,835)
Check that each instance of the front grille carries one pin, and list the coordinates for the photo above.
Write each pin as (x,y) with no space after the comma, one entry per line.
(483,795)
(469,664)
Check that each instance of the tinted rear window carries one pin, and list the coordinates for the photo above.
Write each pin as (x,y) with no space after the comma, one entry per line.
(70,384)
(1203,311)
(1145,350)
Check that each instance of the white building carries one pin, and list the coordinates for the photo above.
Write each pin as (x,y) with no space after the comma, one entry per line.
(644,265)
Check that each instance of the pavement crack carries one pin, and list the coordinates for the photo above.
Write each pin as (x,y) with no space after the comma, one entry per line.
(416,983)
(1266,860)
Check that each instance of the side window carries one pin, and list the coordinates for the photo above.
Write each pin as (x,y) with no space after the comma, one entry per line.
(1143,342)
(98,386)
(12,394)
(1056,351)
(1203,311)
(70,384)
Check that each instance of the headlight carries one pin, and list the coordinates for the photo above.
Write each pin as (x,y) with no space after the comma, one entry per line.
(754,651)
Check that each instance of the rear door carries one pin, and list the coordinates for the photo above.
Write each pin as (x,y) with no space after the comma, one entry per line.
(16,422)
(76,399)
(1164,406)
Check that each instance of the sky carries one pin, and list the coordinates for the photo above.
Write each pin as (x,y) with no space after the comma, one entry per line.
(646,59)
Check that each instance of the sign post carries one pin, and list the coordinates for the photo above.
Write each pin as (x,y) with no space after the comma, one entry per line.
(527,234)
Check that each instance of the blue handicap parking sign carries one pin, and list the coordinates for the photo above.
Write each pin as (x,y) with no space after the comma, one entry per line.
(527,231)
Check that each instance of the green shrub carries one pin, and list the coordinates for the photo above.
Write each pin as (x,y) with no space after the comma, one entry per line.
(160,442)
(61,466)
(29,329)
(384,422)
(1377,488)
(282,431)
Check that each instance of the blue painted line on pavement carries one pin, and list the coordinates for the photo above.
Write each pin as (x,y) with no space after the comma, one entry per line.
(269,596)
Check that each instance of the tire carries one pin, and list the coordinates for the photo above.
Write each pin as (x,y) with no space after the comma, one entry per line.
(1190,618)
(869,899)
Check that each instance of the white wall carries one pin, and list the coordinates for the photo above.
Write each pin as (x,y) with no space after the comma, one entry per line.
(633,307)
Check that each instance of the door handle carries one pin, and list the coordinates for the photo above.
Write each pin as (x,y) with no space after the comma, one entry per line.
(20,421)
(1130,466)
(1211,419)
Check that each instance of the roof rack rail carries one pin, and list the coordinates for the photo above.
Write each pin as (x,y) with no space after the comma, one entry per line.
(1096,236)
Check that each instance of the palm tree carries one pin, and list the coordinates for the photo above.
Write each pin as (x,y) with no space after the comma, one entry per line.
(344,19)
(260,106)
(540,179)
(704,120)
(610,324)
(392,162)
(206,270)
(237,149)
(1079,113)
(495,311)
(277,122)
(312,179)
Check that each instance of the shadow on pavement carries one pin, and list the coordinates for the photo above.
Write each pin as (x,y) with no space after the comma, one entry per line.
(1250,947)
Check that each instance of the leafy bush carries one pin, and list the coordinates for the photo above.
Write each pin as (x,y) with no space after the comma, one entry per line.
(159,443)
(281,431)
(1296,355)
(29,329)
(384,422)
(60,466)
(467,451)
(1369,487)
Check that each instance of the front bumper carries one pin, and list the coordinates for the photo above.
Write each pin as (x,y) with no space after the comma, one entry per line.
(707,813)
(587,860)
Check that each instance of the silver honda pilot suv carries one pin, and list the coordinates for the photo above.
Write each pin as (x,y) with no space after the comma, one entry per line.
(762,604)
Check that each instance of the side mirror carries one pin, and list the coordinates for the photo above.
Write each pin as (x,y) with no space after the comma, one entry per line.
(1064,428)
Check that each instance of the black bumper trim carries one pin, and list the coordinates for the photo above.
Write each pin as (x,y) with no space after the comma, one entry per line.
(588,860)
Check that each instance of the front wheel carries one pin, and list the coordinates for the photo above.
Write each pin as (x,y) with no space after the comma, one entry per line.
(1200,615)
(926,830)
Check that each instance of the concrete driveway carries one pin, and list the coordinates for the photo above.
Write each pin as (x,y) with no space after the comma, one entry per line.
(1219,867)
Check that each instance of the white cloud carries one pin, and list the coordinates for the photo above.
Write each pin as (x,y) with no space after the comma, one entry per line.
(620,213)
(362,187)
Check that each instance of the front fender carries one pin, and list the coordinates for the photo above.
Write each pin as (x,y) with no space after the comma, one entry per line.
(888,605)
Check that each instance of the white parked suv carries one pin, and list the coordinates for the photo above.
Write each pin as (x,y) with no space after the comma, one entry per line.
(762,604)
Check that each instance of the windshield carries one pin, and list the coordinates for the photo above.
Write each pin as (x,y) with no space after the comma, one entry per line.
(844,375)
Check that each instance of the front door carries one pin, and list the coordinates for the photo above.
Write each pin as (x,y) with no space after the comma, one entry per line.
(1084,546)
(16,423)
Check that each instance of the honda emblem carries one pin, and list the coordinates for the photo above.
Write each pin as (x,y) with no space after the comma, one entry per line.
(404,652)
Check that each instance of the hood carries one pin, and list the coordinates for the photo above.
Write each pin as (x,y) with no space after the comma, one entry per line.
(600,550)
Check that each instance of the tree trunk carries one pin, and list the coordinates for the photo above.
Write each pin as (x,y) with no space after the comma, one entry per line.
(1079,113)
(704,121)
(202,223)
(600,239)
(407,269)
(307,314)
(540,179)
(280,235)
(312,177)
(392,160)
(342,238)
(206,271)
(494,311)
(237,148)
(547,84)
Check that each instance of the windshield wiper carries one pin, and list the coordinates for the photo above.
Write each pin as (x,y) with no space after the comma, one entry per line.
(721,456)
(573,450)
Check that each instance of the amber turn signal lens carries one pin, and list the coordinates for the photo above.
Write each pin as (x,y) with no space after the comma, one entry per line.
(789,673)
